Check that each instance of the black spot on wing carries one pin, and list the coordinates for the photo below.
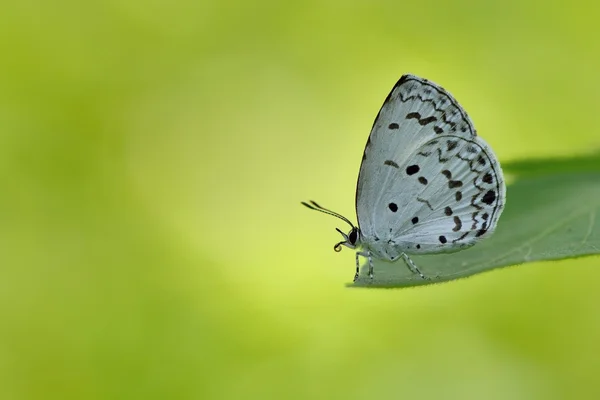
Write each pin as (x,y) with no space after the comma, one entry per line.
(413,115)
(477,206)
(412,169)
(428,120)
(440,158)
(426,202)
(421,121)
(457,224)
(391,163)
(464,235)
(489,197)
(474,219)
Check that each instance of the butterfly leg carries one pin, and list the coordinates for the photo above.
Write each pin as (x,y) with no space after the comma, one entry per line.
(366,254)
(411,265)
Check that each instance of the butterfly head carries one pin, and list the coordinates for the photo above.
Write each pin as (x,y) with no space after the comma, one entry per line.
(351,240)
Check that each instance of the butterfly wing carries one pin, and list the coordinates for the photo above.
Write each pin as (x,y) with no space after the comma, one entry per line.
(427,183)
(460,194)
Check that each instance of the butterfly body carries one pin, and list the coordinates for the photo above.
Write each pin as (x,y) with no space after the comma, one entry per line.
(427,183)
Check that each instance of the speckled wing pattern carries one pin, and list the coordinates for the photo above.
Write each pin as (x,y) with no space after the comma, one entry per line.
(427,182)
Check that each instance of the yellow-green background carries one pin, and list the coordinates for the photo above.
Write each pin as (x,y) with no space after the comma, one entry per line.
(153,155)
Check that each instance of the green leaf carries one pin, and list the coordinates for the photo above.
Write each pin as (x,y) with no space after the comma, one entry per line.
(552,210)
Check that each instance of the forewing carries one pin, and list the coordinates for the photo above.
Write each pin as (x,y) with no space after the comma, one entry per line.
(415,112)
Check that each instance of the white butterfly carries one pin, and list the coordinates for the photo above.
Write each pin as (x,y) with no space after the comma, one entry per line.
(427,183)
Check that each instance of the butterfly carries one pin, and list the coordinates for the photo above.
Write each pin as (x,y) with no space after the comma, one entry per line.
(427,183)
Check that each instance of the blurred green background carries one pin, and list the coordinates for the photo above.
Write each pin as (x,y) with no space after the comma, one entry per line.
(153,156)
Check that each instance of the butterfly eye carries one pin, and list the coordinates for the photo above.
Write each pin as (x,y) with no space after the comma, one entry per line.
(353,236)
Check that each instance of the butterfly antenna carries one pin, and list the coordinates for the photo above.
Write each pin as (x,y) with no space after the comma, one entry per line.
(314,206)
